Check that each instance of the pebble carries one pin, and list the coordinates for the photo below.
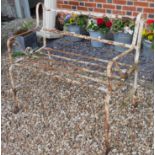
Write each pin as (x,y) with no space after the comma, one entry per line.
(62,121)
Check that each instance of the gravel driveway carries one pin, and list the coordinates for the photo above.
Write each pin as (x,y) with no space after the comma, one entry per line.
(61,118)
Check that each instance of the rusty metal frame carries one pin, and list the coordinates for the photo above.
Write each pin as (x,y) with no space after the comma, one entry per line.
(111,65)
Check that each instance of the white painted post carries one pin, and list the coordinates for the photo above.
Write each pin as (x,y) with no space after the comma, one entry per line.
(49,18)
(137,54)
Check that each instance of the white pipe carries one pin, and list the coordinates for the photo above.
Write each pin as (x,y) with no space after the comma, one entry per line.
(26,8)
(49,16)
(22,8)
(138,53)
(18,9)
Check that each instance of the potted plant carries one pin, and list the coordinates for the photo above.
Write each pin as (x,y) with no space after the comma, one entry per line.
(76,24)
(98,28)
(123,32)
(25,38)
(148,40)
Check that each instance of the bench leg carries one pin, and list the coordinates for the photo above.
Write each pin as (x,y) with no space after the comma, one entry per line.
(106,122)
(10,43)
(137,54)
(14,91)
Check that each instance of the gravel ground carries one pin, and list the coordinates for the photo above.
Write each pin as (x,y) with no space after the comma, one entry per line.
(146,67)
(61,118)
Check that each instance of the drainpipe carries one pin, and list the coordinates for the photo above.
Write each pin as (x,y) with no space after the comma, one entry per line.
(18,9)
(22,8)
(49,18)
(26,8)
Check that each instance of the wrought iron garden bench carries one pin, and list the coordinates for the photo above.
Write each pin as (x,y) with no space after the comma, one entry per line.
(116,72)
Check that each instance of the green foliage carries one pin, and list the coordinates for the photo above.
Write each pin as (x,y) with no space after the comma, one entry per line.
(120,24)
(17,54)
(82,21)
(74,19)
(24,27)
(100,24)
(92,26)
(27,25)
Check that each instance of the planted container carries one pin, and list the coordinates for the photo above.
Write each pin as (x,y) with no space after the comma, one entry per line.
(110,36)
(147,50)
(74,29)
(148,40)
(76,24)
(122,37)
(123,29)
(99,28)
(96,34)
(27,40)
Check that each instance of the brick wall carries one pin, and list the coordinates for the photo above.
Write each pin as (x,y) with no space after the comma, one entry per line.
(123,7)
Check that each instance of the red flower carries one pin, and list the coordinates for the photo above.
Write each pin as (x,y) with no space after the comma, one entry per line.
(108,24)
(150,21)
(100,21)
